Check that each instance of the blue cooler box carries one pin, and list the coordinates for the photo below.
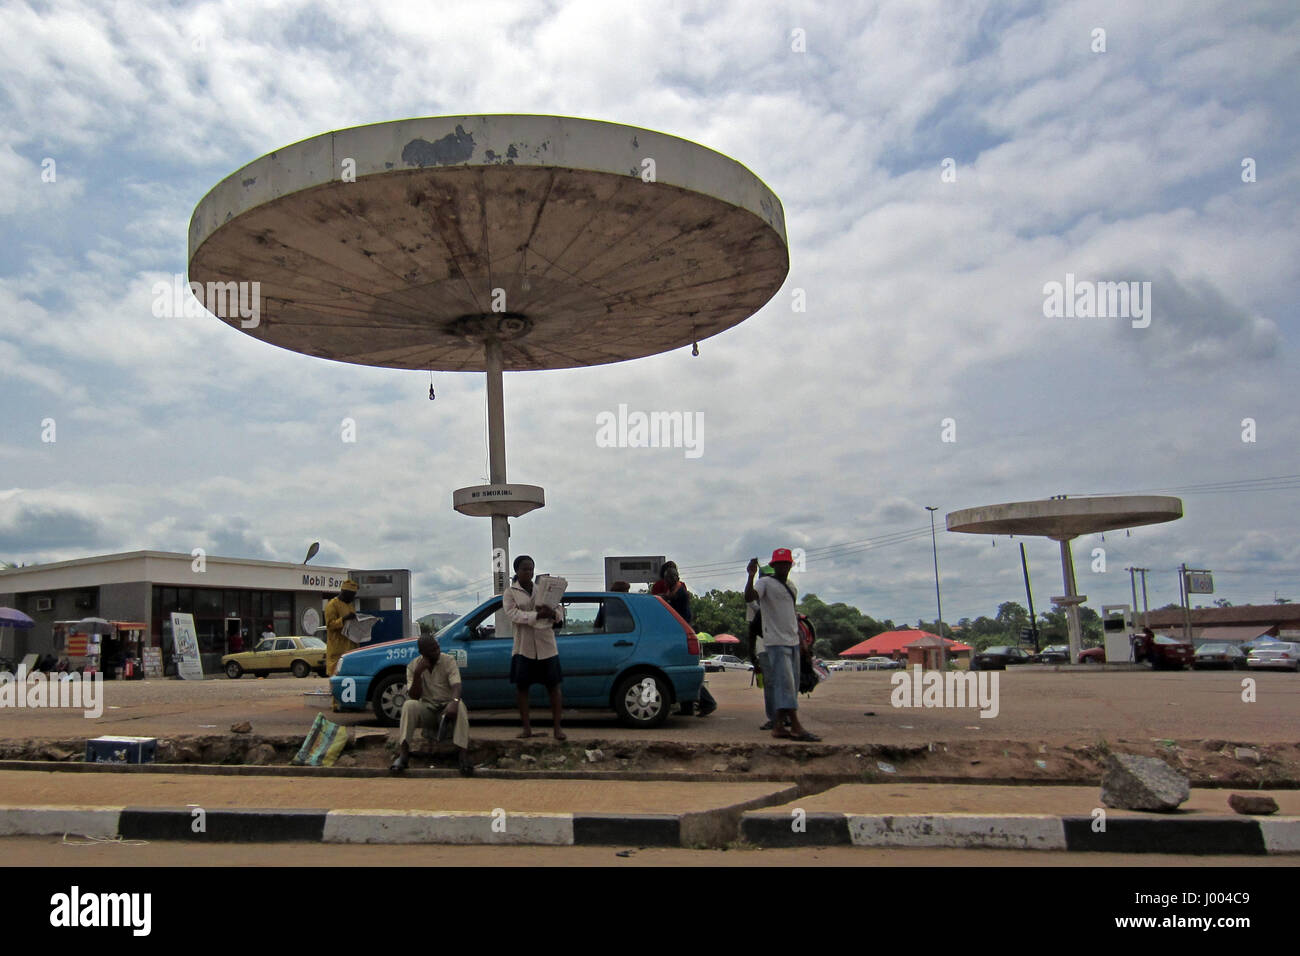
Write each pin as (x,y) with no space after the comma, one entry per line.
(121,749)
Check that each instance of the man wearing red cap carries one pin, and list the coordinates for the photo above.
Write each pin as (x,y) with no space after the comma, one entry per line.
(776,602)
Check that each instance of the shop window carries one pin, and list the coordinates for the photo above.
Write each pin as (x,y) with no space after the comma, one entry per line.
(207,603)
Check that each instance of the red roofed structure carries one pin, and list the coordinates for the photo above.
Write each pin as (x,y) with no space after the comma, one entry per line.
(894,643)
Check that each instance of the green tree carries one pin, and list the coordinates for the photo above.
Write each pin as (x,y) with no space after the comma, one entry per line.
(721,612)
(841,624)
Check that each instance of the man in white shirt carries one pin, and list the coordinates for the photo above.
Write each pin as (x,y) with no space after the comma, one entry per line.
(776,602)
(760,658)
(535,658)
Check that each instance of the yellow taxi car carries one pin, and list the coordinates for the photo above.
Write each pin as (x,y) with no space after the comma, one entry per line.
(298,655)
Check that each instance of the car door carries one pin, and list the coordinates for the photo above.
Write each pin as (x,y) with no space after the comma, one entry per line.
(285,651)
(598,636)
(483,659)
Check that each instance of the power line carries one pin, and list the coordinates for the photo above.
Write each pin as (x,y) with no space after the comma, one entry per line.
(1233,486)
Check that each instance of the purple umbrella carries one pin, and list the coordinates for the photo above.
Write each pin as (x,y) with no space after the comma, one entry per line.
(12,618)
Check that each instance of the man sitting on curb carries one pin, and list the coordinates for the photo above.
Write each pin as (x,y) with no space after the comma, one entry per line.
(432,694)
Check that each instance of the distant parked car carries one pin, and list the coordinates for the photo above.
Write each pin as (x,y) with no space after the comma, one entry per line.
(882,664)
(1169,653)
(1162,653)
(1054,654)
(1280,654)
(997,658)
(726,662)
(1228,656)
(1261,643)
(298,655)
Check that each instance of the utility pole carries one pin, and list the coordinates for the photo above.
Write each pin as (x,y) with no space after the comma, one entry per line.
(1132,580)
(1186,599)
(934,546)
(1143,572)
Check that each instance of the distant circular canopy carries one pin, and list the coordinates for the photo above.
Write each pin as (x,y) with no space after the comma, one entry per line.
(406,244)
(1067,517)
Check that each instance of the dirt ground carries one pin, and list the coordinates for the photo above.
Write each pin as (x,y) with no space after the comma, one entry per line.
(1051,726)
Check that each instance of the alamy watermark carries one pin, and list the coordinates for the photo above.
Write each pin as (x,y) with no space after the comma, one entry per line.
(1084,299)
(41,690)
(651,430)
(924,688)
(74,909)
(227,300)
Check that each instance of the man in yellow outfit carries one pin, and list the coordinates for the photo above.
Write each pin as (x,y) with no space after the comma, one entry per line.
(338,611)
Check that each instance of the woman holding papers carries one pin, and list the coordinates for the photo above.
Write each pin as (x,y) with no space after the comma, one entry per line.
(535,658)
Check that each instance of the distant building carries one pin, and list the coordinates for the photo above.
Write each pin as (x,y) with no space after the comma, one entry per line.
(894,644)
(227,597)
(1232,624)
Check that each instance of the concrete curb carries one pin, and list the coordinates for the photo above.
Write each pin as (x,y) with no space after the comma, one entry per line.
(1255,836)
(193,825)
(1147,834)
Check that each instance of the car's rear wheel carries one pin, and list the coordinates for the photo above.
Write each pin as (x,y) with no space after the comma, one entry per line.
(643,700)
(234,671)
(300,668)
(388,697)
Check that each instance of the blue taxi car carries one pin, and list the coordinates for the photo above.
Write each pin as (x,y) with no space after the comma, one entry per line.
(628,652)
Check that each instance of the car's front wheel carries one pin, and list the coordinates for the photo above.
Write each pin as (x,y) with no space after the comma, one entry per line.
(300,668)
(234,671)
(643,700)
(388,697)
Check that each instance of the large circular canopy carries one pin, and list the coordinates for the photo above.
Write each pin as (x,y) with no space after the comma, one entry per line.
(1067,517)
(404,244)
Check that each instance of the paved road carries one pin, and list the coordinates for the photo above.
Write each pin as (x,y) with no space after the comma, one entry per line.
(1034,704)
(52,851)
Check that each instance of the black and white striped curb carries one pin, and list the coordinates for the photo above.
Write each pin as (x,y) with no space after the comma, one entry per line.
(1122,834)
(343,826)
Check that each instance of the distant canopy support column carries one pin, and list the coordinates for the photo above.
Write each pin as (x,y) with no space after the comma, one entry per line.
(1072,600)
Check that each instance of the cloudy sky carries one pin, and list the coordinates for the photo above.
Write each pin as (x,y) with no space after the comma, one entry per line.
(1169,157)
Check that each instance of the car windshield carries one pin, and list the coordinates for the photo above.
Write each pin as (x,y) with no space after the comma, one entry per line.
(1212,649)
(997,650)
(1166,639)
(315,643)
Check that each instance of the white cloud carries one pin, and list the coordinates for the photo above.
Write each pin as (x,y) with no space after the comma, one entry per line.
(821,428)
